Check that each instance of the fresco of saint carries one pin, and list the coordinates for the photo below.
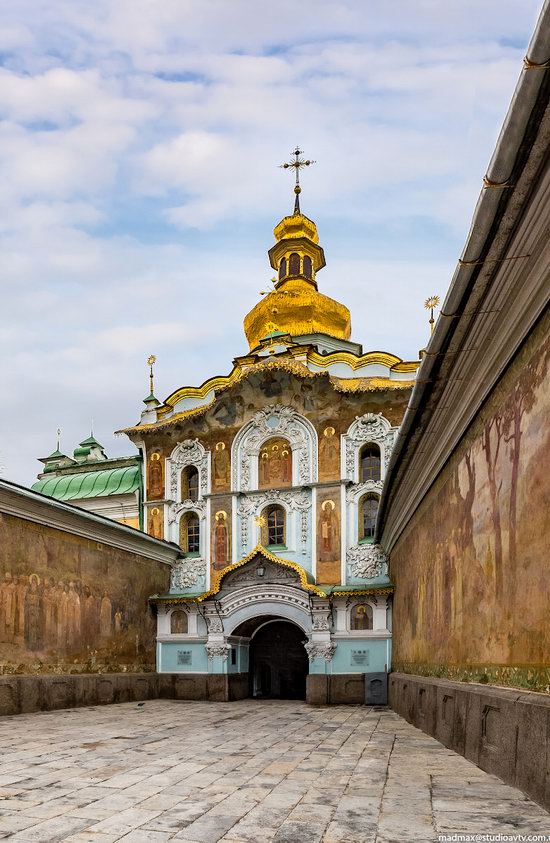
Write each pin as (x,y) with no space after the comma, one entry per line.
(275,465)
(155,476)
(221,466)
(220,541)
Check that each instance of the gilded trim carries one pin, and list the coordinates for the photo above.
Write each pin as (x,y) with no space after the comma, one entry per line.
(220,383)
(262,551)
(278,560)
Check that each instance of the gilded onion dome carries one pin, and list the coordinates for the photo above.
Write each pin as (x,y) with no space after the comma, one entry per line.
(295,306)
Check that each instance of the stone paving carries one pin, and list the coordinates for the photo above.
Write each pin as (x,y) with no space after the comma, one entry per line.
(243,772)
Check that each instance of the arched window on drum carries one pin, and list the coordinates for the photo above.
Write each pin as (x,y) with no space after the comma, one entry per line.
(190,534)
(190,483)
(369,463)
(361,616)
(274,527)
(294,264)
(282,268)
(368,509)
(308,267)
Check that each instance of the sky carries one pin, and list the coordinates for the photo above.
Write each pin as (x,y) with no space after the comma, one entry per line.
(139,150)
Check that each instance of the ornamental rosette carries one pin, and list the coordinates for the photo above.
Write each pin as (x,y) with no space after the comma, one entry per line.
(366,561)
(186,573)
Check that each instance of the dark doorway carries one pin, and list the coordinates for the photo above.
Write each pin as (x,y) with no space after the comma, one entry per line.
(278,662)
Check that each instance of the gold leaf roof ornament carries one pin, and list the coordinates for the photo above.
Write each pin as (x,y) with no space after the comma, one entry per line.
(151,400)
(431,304)
(297,257)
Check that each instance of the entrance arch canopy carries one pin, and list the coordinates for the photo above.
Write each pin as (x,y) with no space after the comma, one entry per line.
(275,609)
(265,585)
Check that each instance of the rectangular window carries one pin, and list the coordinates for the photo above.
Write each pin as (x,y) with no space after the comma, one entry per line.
(193,534)
(277,535)
(233,655)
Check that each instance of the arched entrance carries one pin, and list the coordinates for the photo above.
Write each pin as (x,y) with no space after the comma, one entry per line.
(278,662)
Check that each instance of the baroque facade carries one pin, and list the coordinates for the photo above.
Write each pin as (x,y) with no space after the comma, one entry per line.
(269,480)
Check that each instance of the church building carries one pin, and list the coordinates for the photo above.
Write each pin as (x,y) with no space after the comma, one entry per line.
(269,480)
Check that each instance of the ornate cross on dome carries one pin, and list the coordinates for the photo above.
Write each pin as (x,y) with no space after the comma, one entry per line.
(297,164)
(151,360)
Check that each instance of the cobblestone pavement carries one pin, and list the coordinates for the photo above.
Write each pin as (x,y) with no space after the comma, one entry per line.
(244,772)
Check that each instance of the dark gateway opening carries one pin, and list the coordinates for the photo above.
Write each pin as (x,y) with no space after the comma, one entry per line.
(278,662)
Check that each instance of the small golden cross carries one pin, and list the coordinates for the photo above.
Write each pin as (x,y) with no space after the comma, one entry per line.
(297,164)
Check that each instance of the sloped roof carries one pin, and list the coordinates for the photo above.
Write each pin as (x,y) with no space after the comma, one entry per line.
(90,484)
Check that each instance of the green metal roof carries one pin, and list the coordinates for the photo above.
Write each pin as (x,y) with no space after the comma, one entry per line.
(90,484)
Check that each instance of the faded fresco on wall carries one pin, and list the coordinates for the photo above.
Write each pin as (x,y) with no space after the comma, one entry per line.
(328,536)
(477,592)
(329,454)
(68,603)
(221,478)
(155,477)
(275,464)
(331,409)
(155,522)
(220,533)
(313,396)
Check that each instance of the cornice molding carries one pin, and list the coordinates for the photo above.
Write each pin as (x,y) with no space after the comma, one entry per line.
(220,383)
(506,296)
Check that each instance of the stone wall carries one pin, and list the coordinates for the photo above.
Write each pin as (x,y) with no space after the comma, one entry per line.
(75,600)
(504,732)
(470,570)
(28,693)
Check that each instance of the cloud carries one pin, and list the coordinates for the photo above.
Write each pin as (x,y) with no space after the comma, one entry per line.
(139,143)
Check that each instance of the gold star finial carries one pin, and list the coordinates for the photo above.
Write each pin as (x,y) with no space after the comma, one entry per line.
(151,360)
(430,304)
(297,164)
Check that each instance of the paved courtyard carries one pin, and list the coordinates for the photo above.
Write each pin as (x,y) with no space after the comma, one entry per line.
(245,772)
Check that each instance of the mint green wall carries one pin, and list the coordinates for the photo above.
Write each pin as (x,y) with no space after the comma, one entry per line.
(379,656)
(241,665)
(167,657)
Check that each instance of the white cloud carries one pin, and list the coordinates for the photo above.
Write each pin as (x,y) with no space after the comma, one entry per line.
(138,150)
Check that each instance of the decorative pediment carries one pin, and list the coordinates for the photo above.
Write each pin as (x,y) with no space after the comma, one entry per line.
(275,570)
(260,571)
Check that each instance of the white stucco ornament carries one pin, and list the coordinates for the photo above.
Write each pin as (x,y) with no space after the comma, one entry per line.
(186,573)
(371,427)
(366,561)
(217,649)
(275,420)
(254,503)
(188,452)
(186,506)
(320,650)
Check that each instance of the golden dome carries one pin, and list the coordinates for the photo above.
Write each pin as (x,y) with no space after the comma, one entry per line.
(295,306)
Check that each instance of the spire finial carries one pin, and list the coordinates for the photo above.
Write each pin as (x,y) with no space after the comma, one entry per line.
(430,304)
(151,360)
(297,164)
(58,437)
